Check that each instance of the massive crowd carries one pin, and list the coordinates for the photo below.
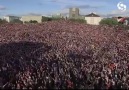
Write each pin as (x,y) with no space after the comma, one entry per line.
(63,55)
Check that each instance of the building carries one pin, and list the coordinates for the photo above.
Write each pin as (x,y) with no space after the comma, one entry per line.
(31,17)
(10,18)
(74,13)
(93,19)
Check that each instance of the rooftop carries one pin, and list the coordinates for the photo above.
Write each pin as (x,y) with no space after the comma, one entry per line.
(11,16)
(92,15)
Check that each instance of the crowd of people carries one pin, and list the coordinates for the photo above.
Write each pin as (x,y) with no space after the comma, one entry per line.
(63,55)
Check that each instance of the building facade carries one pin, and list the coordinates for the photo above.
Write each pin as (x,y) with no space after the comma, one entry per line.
(31,17)
(74,13)
(10,18)
(93,19)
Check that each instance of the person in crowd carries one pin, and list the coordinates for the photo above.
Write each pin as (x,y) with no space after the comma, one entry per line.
(75,56)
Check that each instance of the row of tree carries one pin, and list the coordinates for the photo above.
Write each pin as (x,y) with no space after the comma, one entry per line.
(44,19)
(2,21)
(107,21)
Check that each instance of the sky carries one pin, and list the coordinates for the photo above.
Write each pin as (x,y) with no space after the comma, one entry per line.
(48,7)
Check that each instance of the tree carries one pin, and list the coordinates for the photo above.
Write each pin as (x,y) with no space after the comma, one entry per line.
(109,21)
(26,22)
(44,19)
(2,21)
(33,21)
(78,20)
(56,18)
(16,21)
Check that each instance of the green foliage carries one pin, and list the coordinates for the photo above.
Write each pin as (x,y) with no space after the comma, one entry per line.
(3,21)
(109,21)
(33,21)
(16,21)
(78,20)
(56,18)
(44,19)
(26,22)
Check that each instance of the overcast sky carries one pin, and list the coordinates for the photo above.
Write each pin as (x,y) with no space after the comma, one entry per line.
(47,7)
